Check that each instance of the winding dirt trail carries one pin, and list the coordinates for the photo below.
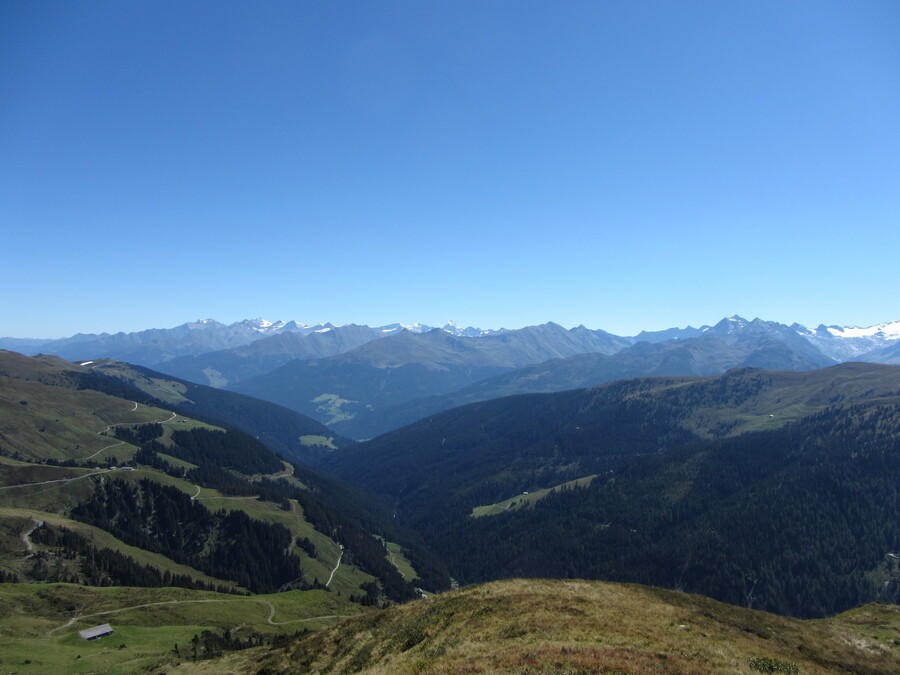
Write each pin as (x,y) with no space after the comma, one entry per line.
(269,618)
(93,473)
(114,445)
(223,497)
(338,564)
(128,424)
(125,424)
(58,480)
(26,537)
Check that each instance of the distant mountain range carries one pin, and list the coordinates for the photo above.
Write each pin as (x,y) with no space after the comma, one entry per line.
(395,381)
(206,336)
(349,390)
(732,343)
(363,381)
(155,345)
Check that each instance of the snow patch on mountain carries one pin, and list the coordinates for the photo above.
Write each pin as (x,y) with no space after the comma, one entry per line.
(848,343)
(887,331)
(266,327)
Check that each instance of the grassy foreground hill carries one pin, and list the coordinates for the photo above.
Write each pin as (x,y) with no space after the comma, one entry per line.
(539,626)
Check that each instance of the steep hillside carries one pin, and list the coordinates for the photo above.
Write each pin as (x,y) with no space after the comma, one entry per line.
(293,435)
(520,626)
(681,477)
(569,434)
(99,489)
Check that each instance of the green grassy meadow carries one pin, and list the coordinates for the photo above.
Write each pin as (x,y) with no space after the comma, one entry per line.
(40,636)
(312,440)
(527,499)
(333,406)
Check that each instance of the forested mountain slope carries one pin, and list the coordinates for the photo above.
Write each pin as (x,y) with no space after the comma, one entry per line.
(755,487)
(292,434)
(114,481)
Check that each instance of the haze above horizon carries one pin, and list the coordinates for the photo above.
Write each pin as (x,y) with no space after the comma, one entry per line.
(626,166)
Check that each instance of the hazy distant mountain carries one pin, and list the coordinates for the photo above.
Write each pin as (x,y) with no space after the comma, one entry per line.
(732,343)
(345,391)
(208,352)
(148,347)
(448,327)
(841,343)
(157,345)
(853,343)
(229,366)
(669,334)
(889,354)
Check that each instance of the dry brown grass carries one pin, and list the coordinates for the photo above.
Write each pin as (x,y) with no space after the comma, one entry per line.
(536,626)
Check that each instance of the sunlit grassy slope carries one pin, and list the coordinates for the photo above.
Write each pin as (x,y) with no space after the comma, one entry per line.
(45,416)
(527,498)
(40,624)
(535,626)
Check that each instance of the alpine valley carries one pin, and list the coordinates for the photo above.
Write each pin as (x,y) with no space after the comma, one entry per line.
(267,497)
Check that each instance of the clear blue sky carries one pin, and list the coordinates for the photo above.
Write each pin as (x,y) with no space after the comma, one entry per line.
(623,165)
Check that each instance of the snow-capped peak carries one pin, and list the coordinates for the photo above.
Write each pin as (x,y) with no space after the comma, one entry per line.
(729,325)
(202,323)
(886,331)
(454,328)
(261,325)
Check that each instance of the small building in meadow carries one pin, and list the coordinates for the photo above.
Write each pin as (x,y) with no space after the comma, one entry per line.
(96,632)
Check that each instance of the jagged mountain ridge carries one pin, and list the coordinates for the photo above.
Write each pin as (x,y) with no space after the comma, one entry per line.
(227,366)
(531,344)
(349,377)
(389,383)
(156,345)
(725,346)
